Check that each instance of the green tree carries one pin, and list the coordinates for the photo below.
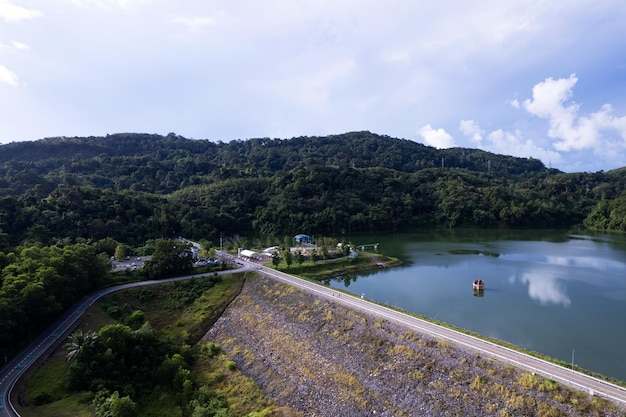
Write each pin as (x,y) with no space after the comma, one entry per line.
(107,245)
(120,252)
(275,259)
(170,258)
(78,341)
(135,319)
(345,248)
(299,257)
(123,407)
(113,405)
(288,257)
(314,255)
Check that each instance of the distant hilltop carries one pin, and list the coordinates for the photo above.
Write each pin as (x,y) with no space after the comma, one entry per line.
(354,149)
(132,187)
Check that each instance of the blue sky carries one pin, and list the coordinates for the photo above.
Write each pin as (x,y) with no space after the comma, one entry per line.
(529,78)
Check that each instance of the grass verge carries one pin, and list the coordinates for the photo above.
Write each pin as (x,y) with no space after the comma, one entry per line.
(183,311)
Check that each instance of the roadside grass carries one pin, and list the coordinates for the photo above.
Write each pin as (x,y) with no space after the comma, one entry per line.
(181,311)
(243,394)
(331,268)
(46,390)
(48,382)
(191,322)
(76,405)
(159,403)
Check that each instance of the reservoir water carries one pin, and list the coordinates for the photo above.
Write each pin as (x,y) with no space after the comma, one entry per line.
(553,292)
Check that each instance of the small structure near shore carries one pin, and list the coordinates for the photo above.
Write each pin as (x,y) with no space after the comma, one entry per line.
(478,285)
(303,239)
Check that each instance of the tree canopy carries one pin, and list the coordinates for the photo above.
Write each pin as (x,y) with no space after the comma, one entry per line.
(39,282)
(137,187)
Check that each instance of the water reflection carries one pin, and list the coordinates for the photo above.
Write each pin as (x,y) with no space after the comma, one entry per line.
(587,262)
(601,264)
(545,288)
(580,279)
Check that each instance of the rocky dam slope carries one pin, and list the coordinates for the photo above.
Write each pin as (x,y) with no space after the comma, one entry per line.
(314,357)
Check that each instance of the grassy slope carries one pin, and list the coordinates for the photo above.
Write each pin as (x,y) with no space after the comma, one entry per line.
(181,323)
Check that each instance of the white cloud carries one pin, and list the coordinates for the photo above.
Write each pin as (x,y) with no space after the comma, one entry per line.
(512,143)
(196,22)
(514,103)
(105,4)
(551,101)
(472,130)
(8,77)
(19,45)
(245,68)
(14,45)
(438,138)
(13,13)
(507,143)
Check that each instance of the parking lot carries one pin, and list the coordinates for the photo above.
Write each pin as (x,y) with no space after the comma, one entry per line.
(131,263)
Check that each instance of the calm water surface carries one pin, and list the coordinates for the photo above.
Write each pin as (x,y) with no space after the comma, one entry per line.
(552,292)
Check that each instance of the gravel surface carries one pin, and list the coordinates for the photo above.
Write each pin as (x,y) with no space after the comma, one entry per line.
(317,358)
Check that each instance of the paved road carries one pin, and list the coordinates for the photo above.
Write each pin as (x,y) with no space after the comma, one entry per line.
(550,370)
(12,371)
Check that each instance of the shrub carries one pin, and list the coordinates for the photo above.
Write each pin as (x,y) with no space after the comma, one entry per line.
(548,385)
(527,380)
(43,398)
(210,350)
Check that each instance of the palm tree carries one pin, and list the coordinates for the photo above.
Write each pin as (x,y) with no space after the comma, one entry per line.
(77,341)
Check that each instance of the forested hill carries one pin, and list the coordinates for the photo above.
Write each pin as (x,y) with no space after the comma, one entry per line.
(124,161)
(134,187)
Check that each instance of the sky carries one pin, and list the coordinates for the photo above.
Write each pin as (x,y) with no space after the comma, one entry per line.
(529,78)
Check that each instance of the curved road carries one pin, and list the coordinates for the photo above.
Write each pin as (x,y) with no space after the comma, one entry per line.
(11,372)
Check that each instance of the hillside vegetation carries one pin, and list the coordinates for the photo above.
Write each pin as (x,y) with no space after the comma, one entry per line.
(133,187)
(68,204)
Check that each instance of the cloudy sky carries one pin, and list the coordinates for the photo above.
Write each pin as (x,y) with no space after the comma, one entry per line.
(530,78)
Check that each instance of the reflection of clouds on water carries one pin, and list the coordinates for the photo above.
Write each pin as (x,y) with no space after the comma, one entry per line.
(587,262)
(545,288)
(600,264)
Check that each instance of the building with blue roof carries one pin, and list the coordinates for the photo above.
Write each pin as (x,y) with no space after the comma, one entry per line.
(301,238)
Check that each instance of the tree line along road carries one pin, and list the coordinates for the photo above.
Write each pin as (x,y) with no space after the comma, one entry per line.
(38,350)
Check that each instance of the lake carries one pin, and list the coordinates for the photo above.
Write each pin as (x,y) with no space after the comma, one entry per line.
(554,292)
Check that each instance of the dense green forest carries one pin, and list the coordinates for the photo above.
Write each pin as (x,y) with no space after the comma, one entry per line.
(134,187)
(67,204)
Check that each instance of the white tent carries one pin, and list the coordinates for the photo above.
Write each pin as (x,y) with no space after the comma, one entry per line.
(247,253)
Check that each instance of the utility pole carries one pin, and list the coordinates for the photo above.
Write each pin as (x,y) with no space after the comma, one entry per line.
(572,358)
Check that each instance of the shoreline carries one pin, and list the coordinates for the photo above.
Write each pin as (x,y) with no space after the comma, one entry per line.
(318,357)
